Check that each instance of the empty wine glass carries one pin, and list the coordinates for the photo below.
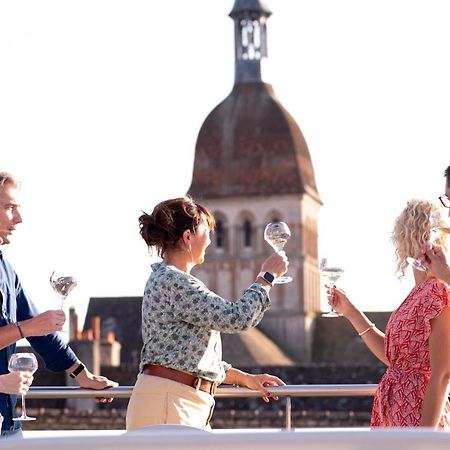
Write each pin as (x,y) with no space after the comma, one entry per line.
(435,219)
(276,235)
(331,273)
(23,362)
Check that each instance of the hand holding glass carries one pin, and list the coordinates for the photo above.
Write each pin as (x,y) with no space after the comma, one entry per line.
(276,235)
(23,362)
(332,274)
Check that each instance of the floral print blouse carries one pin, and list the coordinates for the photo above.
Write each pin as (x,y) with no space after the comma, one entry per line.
(182,320)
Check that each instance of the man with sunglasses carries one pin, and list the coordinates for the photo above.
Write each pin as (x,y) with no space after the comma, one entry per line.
(434,257)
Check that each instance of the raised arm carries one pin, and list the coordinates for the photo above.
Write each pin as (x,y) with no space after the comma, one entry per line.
(176,296)
(45,323)
(369,333)
(192,302)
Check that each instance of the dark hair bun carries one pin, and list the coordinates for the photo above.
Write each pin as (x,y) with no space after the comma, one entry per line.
(164,227)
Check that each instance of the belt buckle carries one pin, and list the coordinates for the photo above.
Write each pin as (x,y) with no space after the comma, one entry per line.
(198,383)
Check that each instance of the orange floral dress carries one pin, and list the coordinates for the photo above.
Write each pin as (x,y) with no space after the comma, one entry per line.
(399,397)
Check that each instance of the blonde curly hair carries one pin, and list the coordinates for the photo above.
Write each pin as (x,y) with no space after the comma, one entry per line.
(412,228)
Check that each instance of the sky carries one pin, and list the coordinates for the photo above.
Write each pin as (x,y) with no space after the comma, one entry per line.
(101,102)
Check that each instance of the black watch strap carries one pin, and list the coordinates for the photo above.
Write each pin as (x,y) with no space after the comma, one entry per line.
(78,370)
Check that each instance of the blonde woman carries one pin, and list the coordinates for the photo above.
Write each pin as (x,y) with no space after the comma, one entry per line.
(416,347)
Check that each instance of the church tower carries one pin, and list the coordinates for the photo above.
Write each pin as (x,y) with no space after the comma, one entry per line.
(252,166)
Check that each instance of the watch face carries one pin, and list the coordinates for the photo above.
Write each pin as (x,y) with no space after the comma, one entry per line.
(269,277)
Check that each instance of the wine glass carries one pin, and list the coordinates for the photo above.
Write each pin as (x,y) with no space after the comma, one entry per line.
(276,235)
(63,285)
(23,362)
(435,231)
(332,274)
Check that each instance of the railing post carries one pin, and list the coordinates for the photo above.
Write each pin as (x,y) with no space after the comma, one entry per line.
(288,414)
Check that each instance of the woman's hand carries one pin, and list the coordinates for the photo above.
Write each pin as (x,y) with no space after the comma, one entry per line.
(45,323)
(260,382)
(15,382)
(276,264)
(339,301)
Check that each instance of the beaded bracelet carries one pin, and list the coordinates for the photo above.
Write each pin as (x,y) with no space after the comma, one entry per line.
(372,326)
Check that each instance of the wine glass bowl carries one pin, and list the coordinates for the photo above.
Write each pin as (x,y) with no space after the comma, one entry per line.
(23,362)
(276,234)
(331,273)
(62,284)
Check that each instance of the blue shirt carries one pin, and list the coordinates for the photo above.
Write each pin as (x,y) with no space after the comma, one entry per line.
(17,306)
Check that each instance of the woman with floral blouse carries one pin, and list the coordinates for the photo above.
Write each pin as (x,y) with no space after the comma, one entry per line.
(181,359)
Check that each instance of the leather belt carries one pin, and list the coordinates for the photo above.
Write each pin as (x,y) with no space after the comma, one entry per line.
(181,377)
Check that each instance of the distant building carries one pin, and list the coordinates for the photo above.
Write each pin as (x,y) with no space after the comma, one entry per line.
(252,166)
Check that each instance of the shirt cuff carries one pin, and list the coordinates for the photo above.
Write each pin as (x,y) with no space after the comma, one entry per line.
(226,367)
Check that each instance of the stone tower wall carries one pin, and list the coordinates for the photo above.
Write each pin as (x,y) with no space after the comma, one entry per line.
(230,270)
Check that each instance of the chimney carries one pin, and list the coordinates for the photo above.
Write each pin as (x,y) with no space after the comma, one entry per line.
(95,324)
(73,324)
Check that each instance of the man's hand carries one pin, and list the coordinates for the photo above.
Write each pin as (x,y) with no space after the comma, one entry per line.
(15,382)
(435,259)
(87,380)
(45,323)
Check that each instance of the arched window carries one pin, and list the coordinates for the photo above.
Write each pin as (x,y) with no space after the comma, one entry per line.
(220,234)
(247,228)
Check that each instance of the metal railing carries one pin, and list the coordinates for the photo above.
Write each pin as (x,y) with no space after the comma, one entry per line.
(288,391)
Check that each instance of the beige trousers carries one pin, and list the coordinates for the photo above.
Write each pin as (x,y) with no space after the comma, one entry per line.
(156,401)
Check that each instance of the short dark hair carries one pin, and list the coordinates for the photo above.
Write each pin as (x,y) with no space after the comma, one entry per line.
(164,227)
(447,175)
(7,178)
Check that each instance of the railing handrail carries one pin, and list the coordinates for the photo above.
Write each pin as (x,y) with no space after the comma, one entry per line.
(292,390)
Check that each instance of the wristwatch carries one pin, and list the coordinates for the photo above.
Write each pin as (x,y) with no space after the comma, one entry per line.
(77,370)
(267,276)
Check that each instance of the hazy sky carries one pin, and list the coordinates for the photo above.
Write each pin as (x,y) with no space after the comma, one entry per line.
(101,102)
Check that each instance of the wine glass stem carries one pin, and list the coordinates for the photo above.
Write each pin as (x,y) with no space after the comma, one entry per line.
(24,412)
(62,302)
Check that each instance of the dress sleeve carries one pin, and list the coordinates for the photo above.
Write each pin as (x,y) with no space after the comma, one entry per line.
(192,302)
(437,300)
